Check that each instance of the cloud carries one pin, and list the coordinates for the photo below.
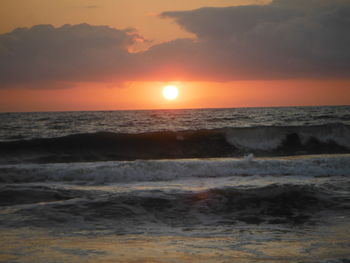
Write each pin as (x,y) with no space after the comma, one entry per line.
(284,39)
(281,40)
(68,53)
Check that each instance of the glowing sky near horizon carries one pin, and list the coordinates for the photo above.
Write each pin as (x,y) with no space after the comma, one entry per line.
(218,57)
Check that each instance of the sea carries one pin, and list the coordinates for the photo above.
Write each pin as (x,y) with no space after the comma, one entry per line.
(236,185)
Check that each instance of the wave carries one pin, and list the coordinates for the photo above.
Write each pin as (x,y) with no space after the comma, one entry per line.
(163,170)
(14,195)
(226,142)
(272,204)
(292,139)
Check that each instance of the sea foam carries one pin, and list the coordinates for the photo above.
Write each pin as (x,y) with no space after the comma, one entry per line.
(161,170)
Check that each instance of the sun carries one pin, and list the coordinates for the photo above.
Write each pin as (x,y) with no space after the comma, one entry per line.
(170,92)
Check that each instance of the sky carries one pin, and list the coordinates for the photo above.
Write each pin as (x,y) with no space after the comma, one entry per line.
(63,55)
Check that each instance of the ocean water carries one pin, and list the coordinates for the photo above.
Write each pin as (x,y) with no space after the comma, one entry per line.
(208,185)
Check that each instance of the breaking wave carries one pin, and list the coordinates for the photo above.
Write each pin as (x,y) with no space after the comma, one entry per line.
(226,142)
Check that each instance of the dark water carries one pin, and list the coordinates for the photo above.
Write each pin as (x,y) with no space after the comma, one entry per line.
(18,126)
(221,185)
(132,135)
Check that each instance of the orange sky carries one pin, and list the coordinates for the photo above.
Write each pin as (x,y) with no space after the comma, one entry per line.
(147,95)
(142,15)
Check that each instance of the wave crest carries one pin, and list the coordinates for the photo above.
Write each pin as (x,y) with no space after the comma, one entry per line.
(227,142)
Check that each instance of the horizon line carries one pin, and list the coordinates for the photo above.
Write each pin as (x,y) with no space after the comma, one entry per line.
(170,109)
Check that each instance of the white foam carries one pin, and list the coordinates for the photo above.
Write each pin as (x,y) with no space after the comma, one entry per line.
(262,138)
(155,170)
(270,138)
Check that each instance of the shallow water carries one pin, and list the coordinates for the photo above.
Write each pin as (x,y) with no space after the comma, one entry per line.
(328,243)
(243,214)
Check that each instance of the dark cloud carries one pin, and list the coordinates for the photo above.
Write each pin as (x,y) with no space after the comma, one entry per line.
(285,39)
(281,40)
(68,53)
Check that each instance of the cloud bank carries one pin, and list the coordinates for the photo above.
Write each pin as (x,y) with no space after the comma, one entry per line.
(68,53)
(285,39)
(282,40)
